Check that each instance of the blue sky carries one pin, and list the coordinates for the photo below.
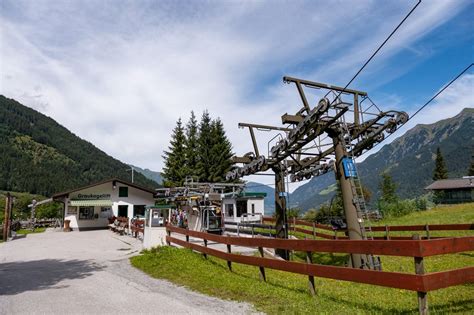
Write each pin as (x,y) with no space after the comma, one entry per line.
(120,73)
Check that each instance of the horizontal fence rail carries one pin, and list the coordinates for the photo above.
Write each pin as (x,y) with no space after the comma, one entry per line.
(404,248)
(295,225)
(418,249)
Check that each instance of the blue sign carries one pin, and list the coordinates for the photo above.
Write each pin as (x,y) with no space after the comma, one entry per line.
(349,167)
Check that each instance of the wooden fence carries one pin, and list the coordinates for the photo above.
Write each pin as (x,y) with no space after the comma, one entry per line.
(420,282)
(296,226)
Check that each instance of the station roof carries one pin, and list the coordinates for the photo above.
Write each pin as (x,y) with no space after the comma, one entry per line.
(249,195)
(252,194)
(457,183)
(151,191)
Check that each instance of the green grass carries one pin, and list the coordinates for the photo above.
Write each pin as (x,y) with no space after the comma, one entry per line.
(287,293)
(452,214)
(26,231)
(462,213)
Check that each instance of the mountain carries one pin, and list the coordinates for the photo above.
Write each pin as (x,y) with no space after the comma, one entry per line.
(153,175)
(269,201)
(40,156)
(315,192)
(409,160)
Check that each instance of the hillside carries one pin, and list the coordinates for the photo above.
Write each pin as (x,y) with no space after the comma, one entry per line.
(409,160)
(153,175)
(40,156)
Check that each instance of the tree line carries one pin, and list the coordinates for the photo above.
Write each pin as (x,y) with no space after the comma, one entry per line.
(201,151)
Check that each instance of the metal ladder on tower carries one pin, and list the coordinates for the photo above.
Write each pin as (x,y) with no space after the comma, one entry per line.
(358,198)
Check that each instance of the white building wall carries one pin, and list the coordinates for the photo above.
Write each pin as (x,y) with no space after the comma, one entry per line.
(135,197)
(257,202)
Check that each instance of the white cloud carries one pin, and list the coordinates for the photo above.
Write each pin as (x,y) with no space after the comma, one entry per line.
(449,103)
(120,75)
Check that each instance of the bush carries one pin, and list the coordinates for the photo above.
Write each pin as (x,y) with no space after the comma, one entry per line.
(293,213)
(49,210)
(310,215)
(398,208)
(324,214)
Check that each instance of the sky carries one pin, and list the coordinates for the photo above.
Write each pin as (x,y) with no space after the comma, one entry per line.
(120,73)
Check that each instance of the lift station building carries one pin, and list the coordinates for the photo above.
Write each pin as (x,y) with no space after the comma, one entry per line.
(246,205)
(91,206)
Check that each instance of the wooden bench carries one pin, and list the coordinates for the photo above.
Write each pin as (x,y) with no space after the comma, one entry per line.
(137,226)
(120,225)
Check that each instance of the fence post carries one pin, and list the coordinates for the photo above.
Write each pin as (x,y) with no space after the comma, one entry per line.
(387,231)
(294,224)
(169,235)
(205,245)
(314,232)
(427,229)
(6,218)
(420,270)
(229,263)
(309,260)
(187,236)
(262,270)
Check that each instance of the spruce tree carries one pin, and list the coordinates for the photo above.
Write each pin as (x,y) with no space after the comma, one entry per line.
(388,189)
(174,170)
(203,165)
(470,172)
(221,152)
(192,146)
(440,171)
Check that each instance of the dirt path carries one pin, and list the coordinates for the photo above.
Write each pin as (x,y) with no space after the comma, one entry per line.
(89,272)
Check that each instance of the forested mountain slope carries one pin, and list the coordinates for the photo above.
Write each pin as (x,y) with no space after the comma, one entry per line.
(409,160)
(40,156)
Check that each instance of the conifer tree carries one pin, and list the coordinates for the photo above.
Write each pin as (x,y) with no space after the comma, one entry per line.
(440,171)
(174,170)
(192,146)
(470,172)
(203,165)
(221,152)
(388,189)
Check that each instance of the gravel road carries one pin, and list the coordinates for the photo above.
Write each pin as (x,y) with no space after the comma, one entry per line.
(89,273)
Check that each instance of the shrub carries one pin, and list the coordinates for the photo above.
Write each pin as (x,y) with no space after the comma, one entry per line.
(398,208)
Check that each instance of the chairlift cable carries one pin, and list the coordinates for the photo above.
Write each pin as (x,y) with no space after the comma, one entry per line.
(429,101)
(376,51)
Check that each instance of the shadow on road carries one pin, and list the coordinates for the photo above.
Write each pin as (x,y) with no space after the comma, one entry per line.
(21,276)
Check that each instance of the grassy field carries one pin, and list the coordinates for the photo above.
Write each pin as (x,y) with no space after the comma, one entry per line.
(26,231)
(287,293)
